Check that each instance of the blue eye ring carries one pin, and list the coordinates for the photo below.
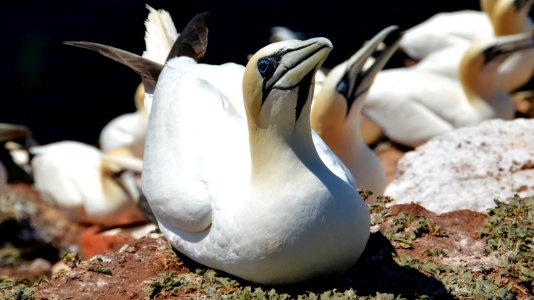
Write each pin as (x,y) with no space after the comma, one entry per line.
(266,67)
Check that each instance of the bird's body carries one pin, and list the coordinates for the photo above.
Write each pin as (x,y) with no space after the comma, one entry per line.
(444,30)
(125,131)
(74,177)
(413,106)
(248,194)
(506,18)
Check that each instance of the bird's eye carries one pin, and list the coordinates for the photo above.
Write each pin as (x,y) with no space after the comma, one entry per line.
(342,87)
(266,67)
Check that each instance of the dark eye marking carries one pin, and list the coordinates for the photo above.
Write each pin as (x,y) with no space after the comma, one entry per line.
(266,67)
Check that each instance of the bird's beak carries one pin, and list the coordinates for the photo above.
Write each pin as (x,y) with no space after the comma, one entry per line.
(299,61)
(520,4)
(508,44)
(358,76)
(10,132)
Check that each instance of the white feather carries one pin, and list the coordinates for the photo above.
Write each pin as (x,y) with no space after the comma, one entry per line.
(160,35)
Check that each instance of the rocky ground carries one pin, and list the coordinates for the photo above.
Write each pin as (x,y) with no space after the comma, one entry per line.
(412,254)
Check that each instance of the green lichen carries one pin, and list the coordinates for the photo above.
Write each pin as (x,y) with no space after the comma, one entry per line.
(509,232)
(16,288)
(71,259)
(10,256)
(95,265)
(405,229)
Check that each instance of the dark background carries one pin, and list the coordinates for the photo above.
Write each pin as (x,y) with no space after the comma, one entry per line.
(63,92)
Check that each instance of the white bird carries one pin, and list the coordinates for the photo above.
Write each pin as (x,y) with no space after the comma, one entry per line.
(127,130)
(508,17)
(413,106)
(336,110)
(87,184)
(249,195)
(8,157)
(226,78)
(448,29)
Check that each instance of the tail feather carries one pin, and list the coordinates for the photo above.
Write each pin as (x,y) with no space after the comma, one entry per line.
(160,35)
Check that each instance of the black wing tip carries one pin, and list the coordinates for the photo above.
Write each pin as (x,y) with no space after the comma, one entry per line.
(202,16)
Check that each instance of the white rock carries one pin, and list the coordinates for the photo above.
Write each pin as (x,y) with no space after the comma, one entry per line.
(468,168)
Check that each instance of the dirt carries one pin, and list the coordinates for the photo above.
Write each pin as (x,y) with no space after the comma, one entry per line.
(131,266)
(148,268)
(458,235)
(136,265)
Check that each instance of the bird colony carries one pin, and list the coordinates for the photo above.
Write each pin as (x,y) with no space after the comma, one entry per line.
(255,169)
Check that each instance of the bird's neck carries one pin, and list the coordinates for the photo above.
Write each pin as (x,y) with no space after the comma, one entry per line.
(275,149)
(346,140)
(484,91)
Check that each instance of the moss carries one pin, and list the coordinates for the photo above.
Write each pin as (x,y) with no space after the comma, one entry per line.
(16,288)
(10,256)
(405,229)
(509,233)
(71,259)
(95,265)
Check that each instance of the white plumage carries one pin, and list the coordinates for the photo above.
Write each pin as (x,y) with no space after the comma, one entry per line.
(250,195)
(78,179)
(413,106)
(336,111)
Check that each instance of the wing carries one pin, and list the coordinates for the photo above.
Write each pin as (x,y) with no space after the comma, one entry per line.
(125,131)
(398,101)
(160,35)
(147,69)
(444,30)
(334,164)
(193,40)
(194,150)
(63,170)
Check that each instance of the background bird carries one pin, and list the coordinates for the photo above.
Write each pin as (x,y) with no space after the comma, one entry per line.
(336,109)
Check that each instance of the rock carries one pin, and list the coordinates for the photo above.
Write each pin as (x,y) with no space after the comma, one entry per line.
(468,168)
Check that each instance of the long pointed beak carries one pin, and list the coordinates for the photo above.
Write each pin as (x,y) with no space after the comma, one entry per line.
(298,61)
(10,132)
(520,4)
(509,44)
(357,78)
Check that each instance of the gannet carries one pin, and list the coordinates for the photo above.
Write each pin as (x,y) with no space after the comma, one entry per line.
(89,185)
(13,156)
(336,110)
(226,78)
(507,17)
(249,195)
(511,17)
(413,106)
(8,132)
(448,29)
